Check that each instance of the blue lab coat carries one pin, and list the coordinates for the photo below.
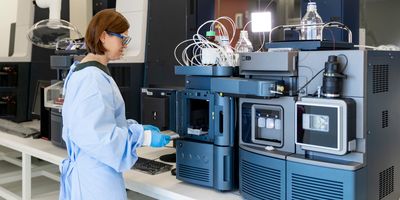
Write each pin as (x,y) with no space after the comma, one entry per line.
(101,143)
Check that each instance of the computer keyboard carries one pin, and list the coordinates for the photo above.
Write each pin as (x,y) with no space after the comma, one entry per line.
(151,166)
(16,129)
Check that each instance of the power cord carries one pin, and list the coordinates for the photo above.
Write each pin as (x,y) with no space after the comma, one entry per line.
(308,82)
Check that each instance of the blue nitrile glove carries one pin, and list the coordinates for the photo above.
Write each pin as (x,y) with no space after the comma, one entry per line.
(152,137)
(158,139)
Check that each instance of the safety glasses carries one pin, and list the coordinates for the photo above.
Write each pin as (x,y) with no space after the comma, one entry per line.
(125,39)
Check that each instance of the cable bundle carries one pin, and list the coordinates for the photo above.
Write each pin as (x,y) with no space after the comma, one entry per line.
(202,52)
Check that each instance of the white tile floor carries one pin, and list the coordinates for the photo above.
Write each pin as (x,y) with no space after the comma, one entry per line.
(43,188)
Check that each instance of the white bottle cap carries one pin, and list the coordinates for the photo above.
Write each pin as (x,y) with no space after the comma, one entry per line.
(311,6)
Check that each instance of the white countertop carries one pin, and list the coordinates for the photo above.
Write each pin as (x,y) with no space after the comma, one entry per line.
(35,147)
(161,186)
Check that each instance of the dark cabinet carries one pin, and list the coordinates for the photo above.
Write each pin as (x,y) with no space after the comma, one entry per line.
(14,84)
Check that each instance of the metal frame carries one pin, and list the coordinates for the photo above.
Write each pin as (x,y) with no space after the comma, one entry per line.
(296,27)
(28,172)
(253,110)
(342,123)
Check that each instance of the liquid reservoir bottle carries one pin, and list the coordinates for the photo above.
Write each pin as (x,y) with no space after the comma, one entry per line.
(210,55)
(311,32)
(210,35)
(228,53)
(244,45)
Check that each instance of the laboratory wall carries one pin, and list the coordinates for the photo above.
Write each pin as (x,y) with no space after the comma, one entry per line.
(8,16)
(16,18)
(380,20)
(170,22)
(377,17)
(235,9)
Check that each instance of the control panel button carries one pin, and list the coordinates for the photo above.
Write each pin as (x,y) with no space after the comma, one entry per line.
(270,123)
(278,124)
(261,122)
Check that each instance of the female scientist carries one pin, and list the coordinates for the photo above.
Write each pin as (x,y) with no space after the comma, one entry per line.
(101,143)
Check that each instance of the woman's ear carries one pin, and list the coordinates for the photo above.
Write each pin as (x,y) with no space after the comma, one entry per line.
(103,36)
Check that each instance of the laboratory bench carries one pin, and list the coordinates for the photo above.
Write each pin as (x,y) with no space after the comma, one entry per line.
(160,186)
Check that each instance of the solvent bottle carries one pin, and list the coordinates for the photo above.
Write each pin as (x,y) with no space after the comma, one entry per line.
(229,54)
(244,45)
(210,35)
(311,32)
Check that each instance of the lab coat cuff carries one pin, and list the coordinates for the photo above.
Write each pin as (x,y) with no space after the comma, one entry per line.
(131,121)
(146,138)
(137,131)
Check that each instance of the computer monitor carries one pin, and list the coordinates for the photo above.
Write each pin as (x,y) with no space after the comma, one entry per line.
(39,111)
(159,107)
(37,99)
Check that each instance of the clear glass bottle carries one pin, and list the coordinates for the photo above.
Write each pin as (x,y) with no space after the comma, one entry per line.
(229,55)
(243,45)
(311,32)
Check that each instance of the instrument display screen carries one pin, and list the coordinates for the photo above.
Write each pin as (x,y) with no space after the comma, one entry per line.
(318,126)
(314,122)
